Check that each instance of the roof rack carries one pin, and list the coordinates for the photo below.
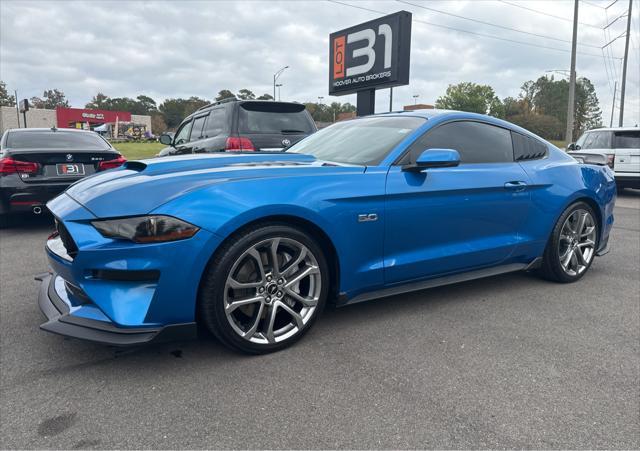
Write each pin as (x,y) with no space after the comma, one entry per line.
(227,100)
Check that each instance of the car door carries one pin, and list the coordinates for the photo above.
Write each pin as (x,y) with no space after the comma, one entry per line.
(196,138)
(448,220)
(216,130)
(181,139)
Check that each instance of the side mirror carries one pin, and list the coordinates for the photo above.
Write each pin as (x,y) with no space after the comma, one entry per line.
(573,146)
(434,158)
(166,139)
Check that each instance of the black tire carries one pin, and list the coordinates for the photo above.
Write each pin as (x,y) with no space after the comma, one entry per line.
(5,220)
(552,268)
(213,287)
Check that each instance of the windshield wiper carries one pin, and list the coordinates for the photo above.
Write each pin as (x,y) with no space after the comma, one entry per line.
(292,131)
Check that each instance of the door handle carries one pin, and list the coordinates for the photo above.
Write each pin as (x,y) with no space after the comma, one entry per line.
(516,186)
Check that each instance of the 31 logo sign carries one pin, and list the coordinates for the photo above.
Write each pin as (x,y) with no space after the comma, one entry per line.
(374,54)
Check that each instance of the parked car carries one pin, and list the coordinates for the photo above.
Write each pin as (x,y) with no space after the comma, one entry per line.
(622,148)
(37,164)
(240,125)
(253,245)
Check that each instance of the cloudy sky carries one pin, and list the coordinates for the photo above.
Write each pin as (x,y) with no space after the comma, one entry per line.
(182,48)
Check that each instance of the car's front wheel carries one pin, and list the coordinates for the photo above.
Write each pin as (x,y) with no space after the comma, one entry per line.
(572,245)
(264,289)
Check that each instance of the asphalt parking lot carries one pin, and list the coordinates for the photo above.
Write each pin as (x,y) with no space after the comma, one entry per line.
(506,362)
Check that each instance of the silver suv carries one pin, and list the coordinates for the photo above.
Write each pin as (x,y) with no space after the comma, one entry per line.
(622,148)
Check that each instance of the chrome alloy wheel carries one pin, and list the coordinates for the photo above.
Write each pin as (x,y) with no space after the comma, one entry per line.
(577,244)
(272,290)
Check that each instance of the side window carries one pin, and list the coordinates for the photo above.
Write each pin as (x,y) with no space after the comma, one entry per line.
(217,122)
(196,130)
(527,148)
(476,142)
(183,134)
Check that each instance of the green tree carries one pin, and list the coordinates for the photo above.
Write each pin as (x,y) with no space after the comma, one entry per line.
(549,97)
(265,97)
(245,94)
(99,102)
(175,110)
(225,94)
(328,113)
(5,98)
(587,114)
(146,104)
(471,97)
(51,98)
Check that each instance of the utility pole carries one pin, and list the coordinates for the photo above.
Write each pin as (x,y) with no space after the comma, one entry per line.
(613,107)
(624,65)
(17,108)
(572,77)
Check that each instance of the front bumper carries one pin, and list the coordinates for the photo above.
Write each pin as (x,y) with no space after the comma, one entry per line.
(56,306)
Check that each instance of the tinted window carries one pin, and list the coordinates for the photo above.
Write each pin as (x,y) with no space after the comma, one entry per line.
(476,142)
(183,134)
(270,117)
(627,140)
(196,129)
(217,122)
(527,148)
(360,141)
(597,140)
(55,140)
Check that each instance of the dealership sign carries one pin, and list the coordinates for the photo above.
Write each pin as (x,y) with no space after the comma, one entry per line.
(371,55)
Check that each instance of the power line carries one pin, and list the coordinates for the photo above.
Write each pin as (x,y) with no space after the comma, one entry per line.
(484,35)
(547,14)
(615,20)
(492,24)
(592,4)
(615,39)
(611,4)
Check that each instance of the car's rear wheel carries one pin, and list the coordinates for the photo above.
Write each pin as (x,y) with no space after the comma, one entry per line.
(572,245)
(265,288)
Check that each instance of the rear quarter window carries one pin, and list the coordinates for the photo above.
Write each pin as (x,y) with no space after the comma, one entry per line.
(528,148)
(270,117)
(627,139)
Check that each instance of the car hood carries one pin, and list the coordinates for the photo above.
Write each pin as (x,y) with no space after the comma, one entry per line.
(139,187)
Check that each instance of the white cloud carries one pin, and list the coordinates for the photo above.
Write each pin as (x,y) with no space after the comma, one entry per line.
(177,49)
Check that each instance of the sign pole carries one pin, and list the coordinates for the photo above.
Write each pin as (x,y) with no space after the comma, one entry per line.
(366,102)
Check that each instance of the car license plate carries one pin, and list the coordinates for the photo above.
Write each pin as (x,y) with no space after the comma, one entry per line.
(70,169)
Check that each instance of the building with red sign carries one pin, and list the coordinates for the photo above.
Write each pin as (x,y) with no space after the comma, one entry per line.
(71,118)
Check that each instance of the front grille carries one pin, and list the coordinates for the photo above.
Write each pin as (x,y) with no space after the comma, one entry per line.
(68,242)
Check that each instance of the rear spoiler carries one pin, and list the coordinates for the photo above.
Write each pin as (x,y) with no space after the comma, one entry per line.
(599,159)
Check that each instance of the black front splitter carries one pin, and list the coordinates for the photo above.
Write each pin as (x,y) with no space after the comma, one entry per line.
(59,321)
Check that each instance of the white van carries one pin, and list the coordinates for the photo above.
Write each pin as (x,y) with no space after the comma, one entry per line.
(622,148)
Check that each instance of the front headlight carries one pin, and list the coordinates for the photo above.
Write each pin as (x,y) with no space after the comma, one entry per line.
(146,229)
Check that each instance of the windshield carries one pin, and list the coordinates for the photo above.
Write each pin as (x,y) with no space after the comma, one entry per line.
(55,140)
(360,141)
(595,140)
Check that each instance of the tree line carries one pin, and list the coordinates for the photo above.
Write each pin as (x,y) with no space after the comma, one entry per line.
(541,106)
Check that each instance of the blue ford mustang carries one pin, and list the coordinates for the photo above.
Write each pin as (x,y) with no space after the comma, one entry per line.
(251,246)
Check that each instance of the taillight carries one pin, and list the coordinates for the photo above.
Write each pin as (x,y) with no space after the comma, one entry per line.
(611,160)
(10,166)
(239,144)
(110,164)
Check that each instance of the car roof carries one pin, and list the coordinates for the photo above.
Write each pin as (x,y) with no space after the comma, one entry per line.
(52,129)
(614,129)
